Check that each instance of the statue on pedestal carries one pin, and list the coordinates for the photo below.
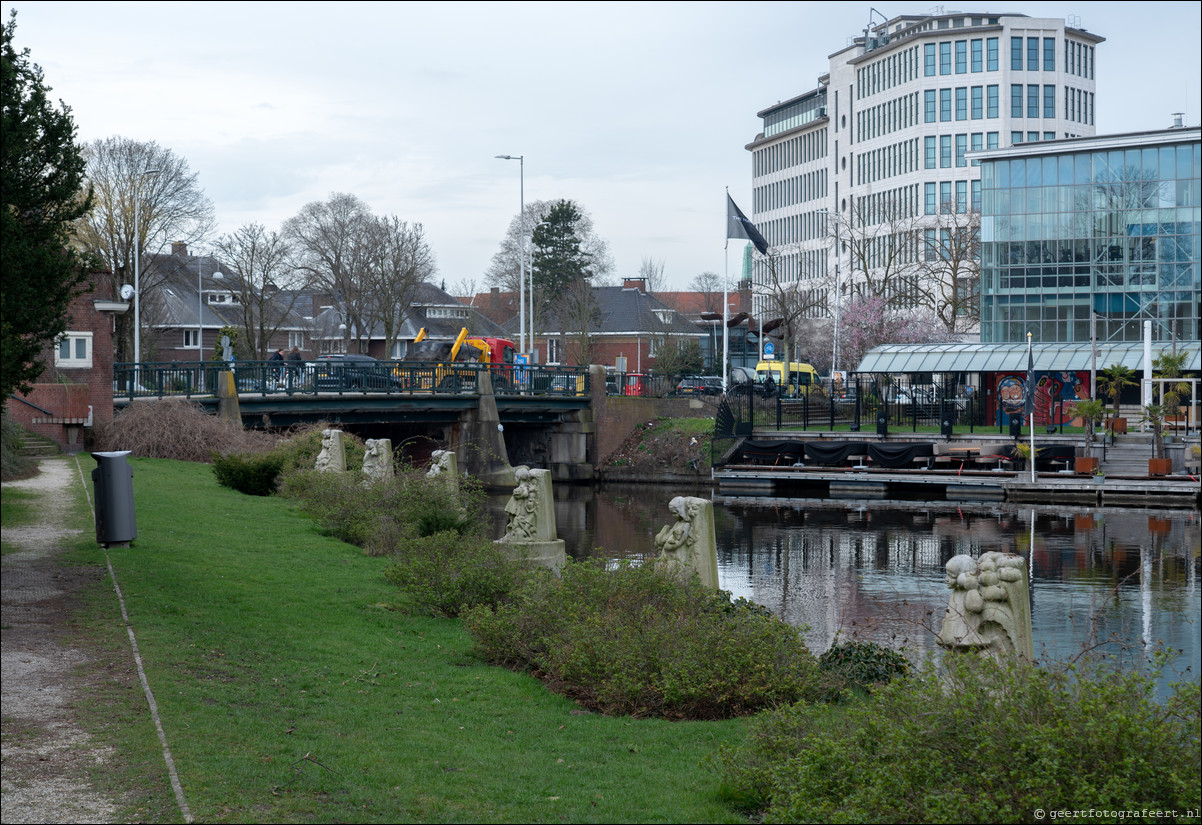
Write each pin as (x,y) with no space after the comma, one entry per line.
(689,543)
(989,610)
(377,459)
(332,458)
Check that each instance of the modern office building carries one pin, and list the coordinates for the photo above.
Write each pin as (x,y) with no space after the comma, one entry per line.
(879,148)
(1107,225)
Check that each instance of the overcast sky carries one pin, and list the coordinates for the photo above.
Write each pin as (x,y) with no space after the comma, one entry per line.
(640,112)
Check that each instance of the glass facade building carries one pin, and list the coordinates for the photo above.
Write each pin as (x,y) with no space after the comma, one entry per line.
(1105,224)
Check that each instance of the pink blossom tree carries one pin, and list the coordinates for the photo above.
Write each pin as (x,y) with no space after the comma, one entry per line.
(867,322)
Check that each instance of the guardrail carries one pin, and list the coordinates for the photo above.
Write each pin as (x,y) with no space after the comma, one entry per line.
(187,380)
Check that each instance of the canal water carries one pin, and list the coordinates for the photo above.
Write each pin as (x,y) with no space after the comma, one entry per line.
(1112,582)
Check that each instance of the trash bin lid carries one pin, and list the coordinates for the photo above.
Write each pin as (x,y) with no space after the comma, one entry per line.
(114,454)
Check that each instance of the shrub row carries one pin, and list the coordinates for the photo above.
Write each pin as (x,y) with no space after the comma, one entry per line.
(978,742)
(448,573)
(638,640)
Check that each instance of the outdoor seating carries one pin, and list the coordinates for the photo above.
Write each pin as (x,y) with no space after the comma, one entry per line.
(834,453)
(774,453)
(896,456)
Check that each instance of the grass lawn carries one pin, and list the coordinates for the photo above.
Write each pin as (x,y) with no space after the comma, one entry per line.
(293,685)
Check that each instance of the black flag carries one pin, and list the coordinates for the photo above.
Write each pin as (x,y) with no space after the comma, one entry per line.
(737,226)
(1029,403)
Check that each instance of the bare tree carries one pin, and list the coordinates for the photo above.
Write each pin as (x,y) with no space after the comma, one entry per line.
(949,274)
(880,237)
(580,319)
(788,303)
(504,269)
(260,262)
(709,286)
(332,240)
(399,262)
(652,273)
(171,206)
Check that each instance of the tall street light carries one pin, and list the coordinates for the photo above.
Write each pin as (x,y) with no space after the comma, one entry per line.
(521,159)
(138,266)
(532,231)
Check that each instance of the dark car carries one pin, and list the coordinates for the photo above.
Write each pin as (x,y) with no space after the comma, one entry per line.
(705,385)
(350,371)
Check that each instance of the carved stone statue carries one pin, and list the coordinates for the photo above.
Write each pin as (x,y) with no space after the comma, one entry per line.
(989,610)
(689,543)
(332,458)
(531,510)
(377,459)
(444,467)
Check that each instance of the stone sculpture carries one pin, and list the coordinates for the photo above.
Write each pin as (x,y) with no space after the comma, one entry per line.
(531,532)
(377,459)
(332,458)
(989,610)
(444,466)
(689,544)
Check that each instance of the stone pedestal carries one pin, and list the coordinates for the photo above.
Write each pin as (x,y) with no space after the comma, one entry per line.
(444,468)
(377,459)
(689,544)
(332,458)
(531,532)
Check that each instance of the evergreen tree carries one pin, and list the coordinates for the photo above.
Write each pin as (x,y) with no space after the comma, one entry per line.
(43,191)
(559,257)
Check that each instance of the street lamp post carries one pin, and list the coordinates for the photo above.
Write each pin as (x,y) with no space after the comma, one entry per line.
(138,266)
(531,270)
(521,159)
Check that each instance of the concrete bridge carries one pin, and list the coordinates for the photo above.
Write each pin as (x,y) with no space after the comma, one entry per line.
(542,415)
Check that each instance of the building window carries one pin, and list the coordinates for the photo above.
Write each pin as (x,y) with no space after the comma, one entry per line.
(928,57)
(553,351)
(991,50)
(992,140)
(991,101)
(976,195)
(945,105)
(74,351)
(961,103)
(1032,101)
(945,151)
(961,57)
(977,57)
(1032,54)
(1016,54)
(961,196)
(1016,100)
(961,148)
(978,102)
(1049,101)
(929,147)
(1032,137)
(398,351)
(1016,137)
(191,338)
(928,100)
(945,57)
(977,145)
(296,339)
(945,194)
(929,204)
(1049,54)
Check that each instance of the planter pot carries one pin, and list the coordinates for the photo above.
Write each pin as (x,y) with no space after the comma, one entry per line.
(1083,522)
(1098,479)
(1118,426)
(1160,466)
(1085,465)
(1159,526)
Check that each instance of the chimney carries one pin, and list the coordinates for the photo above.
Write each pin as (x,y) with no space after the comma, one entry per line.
(635,283)
(1178,120)
(179,248)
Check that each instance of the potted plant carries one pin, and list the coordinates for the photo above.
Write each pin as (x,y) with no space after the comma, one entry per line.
(1170,365)
(1113,380)
(1091,411)
(1153,416)
(1099,476)
(1025,454)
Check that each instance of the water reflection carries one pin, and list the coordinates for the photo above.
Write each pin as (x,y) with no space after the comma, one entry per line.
(1115,581)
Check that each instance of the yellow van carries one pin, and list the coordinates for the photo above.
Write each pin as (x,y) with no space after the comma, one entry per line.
(800,375)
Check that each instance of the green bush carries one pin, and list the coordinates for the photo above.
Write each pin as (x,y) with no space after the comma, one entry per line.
(301,448)
(447,573)
(863,664)
(638,640)
(254,474)
(14,464)
(977,742)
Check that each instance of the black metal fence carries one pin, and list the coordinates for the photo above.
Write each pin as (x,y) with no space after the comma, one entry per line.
(184,379)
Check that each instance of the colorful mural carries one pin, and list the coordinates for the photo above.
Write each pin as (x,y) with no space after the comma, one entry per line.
(1050,387)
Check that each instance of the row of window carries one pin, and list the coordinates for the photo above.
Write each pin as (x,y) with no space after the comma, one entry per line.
(937,197)
(1079,59)
(804,226)
(802,264)
(1136,166)
(891,206)
(1033,53)
(978,54)
(1078,105)
(1034,100)
(938,149)
(970,103)
(791,152)
(797,189)
(887,117)
(886,162)
(900,67)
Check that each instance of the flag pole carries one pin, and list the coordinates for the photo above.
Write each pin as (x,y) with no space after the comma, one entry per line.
(1031,390)
(726,301)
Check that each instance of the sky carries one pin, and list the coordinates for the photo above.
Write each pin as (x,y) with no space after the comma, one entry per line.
(639,112)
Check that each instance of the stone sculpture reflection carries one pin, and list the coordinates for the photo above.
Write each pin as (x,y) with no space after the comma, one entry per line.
(332,458)
(689,544)
(989,610)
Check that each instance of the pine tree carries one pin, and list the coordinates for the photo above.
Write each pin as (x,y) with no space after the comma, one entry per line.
(43,191)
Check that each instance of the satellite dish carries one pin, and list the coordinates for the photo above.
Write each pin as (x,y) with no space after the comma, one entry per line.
(127,292)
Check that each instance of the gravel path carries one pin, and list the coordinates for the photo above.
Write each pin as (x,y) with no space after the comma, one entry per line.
(46,757)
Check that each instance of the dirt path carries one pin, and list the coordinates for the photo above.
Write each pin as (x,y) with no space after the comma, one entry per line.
(46,757)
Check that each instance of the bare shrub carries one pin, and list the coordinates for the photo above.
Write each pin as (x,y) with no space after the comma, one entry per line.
(177,429)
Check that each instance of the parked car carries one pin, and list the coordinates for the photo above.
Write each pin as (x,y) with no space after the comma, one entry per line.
(704,385)
(351,371)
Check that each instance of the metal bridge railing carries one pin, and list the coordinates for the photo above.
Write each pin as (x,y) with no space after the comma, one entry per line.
(197,379)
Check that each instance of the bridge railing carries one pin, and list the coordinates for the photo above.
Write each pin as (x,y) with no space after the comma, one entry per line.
(190,379)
